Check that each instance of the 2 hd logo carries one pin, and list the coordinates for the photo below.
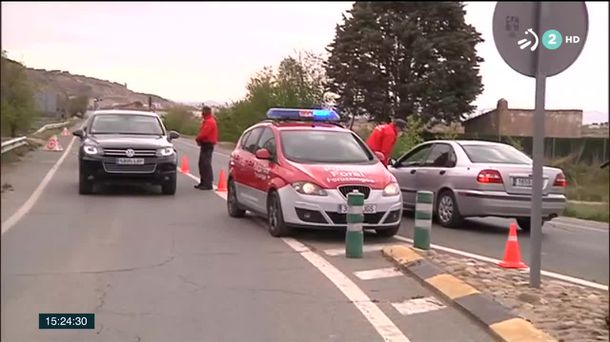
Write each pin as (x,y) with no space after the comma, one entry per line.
(551,40)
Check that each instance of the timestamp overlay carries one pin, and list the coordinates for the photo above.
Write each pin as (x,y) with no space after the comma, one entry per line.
(66,321)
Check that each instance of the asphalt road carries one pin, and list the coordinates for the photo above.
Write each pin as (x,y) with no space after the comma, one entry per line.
(177,268)
(575,248)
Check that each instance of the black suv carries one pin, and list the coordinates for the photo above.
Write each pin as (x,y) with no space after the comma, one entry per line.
(127,146)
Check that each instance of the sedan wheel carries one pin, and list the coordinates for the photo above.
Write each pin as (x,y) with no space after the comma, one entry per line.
(447,211)
(232,202)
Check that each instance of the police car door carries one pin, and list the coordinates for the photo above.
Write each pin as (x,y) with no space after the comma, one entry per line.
(247,194)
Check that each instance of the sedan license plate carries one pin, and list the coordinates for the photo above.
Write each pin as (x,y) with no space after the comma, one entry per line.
(130,161)
(367,209)
(523,182)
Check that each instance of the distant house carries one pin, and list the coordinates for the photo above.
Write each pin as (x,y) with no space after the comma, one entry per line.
(512,122)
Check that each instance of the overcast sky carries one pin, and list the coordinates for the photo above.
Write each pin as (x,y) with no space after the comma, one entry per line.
(208,51)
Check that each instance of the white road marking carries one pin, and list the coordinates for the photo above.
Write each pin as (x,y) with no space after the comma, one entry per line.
(197,179)
(379,273)
(365,248)
(558,276)
(27,206)
(418,305)
(384,326)
(184,143)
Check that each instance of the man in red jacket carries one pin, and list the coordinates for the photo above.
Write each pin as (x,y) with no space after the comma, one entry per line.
(383,138)
(206,139)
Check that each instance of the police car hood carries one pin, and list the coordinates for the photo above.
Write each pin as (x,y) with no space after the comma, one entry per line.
(129,141)
(330,176)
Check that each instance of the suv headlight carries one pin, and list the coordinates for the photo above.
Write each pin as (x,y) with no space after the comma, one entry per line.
(90,149)
(164,152)
(307,188)
(391,189)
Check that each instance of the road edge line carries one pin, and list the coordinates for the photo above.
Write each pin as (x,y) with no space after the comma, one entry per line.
(495,317)
(31,201)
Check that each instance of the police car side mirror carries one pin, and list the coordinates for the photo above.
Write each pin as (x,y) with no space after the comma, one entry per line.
(263,154)
(79,133)
(380,156)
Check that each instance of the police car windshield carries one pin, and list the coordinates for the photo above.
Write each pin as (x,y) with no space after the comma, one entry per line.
(126,124)
(309,146)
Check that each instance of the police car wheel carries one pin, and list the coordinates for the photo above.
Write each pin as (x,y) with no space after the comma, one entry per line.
(275,219)
(232,202)
(387,232)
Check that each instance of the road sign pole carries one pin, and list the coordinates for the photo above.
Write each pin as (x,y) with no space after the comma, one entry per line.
(538,156)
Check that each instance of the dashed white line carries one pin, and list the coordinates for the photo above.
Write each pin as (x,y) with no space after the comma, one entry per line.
(27,206)
(384,326)
(418,305)
(380,273)
(365,248)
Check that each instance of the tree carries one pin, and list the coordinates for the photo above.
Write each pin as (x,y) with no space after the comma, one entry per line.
(396,59)
(17,110)
(297,83)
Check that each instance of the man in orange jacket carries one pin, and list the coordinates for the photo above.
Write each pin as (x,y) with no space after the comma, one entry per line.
(206,139)
(383,138)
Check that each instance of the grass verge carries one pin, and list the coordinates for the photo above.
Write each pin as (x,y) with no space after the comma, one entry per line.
(588,211)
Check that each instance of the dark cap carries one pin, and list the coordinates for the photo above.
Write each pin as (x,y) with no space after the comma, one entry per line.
(401,124)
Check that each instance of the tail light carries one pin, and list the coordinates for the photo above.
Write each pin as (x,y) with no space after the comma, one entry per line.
(489,177)
(560,181)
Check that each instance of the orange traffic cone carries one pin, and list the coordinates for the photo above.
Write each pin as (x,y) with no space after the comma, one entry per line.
(222,181)
(512,254)
(184,165)
(53,144)
(65,132)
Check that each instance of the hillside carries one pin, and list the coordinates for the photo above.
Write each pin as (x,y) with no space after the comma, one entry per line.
(111,93)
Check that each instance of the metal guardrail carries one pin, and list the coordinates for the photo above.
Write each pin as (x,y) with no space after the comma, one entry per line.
(18,142)
(13,143)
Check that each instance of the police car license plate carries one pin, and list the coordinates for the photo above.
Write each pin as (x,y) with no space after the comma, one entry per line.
(130,161)
(367,209)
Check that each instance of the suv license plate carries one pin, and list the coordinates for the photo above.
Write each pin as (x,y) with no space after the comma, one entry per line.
(367,209)
(523,182)
(130,161)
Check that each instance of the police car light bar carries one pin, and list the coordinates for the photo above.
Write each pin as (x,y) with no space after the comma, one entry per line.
(302,114)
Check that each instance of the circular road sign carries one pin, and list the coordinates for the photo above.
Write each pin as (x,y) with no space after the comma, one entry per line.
(560,37)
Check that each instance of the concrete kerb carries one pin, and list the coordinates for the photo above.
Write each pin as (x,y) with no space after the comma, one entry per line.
(498,319)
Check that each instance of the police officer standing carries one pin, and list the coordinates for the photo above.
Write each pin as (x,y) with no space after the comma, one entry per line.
(206,139)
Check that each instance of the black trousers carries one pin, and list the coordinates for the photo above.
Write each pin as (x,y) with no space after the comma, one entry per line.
(206,173)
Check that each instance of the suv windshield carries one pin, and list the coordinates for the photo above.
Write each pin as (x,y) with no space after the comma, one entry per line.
(324,147)
(496,154)
(126,124)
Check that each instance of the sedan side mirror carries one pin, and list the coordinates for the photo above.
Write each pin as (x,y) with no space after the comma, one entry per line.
(392,162)
(79,133)
(173,135)
(263,154)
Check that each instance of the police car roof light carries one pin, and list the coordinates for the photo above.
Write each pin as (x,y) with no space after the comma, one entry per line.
(302,114)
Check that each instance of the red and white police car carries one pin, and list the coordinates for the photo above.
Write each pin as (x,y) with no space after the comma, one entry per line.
(296,168)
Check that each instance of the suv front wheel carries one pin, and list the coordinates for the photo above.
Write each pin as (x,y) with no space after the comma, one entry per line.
(169,187)
(85,187)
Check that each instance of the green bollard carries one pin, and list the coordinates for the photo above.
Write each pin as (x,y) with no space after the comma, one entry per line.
(423,219)
(354,238)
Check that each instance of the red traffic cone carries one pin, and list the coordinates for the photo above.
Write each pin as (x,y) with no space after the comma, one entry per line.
(222,181)
(512,254)
(65,132)
(51,144)
(184,165)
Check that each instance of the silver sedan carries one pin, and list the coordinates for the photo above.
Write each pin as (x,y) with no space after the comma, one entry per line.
(476,179)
